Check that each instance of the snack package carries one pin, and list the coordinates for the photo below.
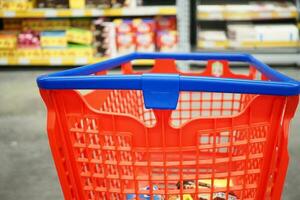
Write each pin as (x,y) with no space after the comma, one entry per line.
(53,39)
(8,40)
(29,39)
(77,4)
(124,26)
(81,23)
(46,24)
(52,3)
(79,36)
(105,38)
(166,23)
(16,4)
(12,24)
(166,41)
(97,3)
(144,25)
(144,196)
(218,183)
(126,42)
(145,42)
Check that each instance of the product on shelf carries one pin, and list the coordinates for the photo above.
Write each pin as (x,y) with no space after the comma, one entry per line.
(144,25)
(104,38)
(165,23)
(29,39)
(241,32)
(97,3)
(166,41)
(124,26)
(77,4)
(145,42)
(79,36)
(52,3)
(46,24)
(8,40)
(12,24)
(278,32)
(53,39)
(212,39)
(81,23)
(126,42)
(16,4)
(212,35)
(145,196)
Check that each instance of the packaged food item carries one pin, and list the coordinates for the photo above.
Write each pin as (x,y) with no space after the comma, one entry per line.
(105,38)
(16,4)
(53,39)
(124,26)
(29,39)
(145,196)
(166,41)
(81,23)
(97,3)
(166,23)
(144,25)
(77,4)
(8,40)
(79,36)
(206,183)
(52,3)
(126,42)
(145,42)
(46,24)
(12,24)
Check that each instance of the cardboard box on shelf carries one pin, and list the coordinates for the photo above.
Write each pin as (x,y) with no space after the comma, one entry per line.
(165,23)
(145,42)
(53,39)
(146,25)
(29,39)
(8,40)
(79,36)
(81,23)
(166,41)
(77,4)
(16,5)
(283,32)
(124,26)
(241,32)
(97,3)
(105,38)
(52,3)
(126,42)
(46,24)
(12,24)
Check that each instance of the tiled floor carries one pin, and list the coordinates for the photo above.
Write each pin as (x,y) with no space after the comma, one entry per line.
(27,171)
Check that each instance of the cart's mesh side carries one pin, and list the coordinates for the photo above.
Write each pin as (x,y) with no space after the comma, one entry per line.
(190,105)
(109,167)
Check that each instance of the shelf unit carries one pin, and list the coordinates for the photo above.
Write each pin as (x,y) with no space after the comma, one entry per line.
(279,52)
(44,60)
(111,12)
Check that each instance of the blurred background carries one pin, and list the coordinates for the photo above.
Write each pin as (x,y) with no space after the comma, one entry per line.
(43,36)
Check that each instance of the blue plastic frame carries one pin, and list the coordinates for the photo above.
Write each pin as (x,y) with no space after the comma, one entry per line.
(161,90)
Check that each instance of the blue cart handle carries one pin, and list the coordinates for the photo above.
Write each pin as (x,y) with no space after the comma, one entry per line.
(165,87)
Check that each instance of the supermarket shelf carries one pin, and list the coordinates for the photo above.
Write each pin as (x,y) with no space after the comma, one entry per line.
(58,61)
(250,44)
(274,56)
(207,16)
(111,12)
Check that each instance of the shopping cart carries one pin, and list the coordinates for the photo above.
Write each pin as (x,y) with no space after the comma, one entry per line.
(165,134)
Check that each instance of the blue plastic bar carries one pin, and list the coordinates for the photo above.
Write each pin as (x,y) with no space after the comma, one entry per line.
(78,78)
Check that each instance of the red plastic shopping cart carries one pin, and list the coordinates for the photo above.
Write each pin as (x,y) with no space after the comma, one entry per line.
(166,134)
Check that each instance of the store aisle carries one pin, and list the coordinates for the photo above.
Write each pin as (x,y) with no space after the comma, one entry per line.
(27,170)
